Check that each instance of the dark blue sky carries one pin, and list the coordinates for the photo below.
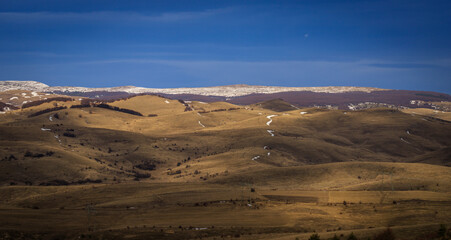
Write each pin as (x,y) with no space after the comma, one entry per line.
(387,44)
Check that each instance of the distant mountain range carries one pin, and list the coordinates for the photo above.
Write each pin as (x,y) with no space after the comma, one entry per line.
(222,91)
(352,98)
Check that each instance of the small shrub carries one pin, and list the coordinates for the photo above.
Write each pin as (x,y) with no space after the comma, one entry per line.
(442,230)
(352,237)
(314,237)
(66,134)
(385,235)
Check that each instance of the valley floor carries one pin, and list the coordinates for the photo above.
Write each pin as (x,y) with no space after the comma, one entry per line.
(212,211)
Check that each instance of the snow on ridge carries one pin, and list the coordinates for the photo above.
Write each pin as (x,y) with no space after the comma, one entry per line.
(224,91)
(270,120)
(22,85)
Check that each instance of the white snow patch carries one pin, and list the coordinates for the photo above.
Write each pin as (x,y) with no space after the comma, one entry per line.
(265,147)
(269,153)
(260,113)
(408,132)
(27,97)
(302,113)
(34,94)
(188,101)
(270,120)
(402,139)
(294,106)
(271,132)
(50,119)
(199,114)
(200,228)
(13,98)
(24,102)
(46,129)
(47,94)
(255,158)
(24,94)
(201,124)
(2,112)
(202,103)
(166,101)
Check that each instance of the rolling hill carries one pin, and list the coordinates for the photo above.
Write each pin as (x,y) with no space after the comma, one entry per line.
(145,166)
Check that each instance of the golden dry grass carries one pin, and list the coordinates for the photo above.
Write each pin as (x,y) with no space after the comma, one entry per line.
(208,161)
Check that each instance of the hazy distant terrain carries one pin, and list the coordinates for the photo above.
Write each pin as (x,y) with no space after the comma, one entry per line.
(257,166)
(351,98)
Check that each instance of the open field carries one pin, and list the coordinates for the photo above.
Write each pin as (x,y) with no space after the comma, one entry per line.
(187,170)
(192,210)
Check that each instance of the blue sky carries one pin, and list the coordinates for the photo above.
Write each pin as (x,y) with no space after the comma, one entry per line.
(386,43)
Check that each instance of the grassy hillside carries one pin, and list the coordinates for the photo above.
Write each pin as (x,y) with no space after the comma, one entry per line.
(258,171)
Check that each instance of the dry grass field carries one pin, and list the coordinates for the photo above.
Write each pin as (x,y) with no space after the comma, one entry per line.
(194,170)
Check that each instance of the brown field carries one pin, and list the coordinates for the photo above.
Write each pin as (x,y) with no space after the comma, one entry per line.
(216,172)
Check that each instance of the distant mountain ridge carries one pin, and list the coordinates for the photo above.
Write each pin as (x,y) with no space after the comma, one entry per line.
(349,98)
(222,91)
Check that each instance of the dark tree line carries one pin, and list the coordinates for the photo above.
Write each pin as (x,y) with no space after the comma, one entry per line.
(46,111)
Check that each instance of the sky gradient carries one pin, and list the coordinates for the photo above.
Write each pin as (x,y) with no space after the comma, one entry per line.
(386,44)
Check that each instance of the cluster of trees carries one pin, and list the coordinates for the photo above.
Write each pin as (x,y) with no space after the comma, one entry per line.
(60,182)
(89,103)
(9,158)
(138,175)
(187,107)
(68,134)
(46,111)
(220,110)
(38,155)
(124,110)
(146,166)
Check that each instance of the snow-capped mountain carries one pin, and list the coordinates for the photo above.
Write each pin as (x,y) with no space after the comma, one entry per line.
(223,91)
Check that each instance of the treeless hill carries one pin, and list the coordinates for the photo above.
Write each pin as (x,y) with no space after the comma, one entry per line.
(276,105)
(149,104)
